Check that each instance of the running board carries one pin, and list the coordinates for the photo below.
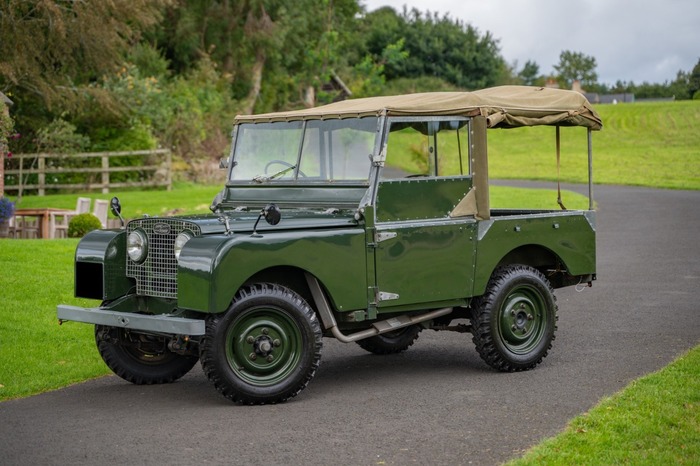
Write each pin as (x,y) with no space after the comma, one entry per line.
(383,326)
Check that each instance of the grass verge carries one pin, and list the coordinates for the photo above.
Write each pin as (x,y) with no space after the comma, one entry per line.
(37,354)
(655,421)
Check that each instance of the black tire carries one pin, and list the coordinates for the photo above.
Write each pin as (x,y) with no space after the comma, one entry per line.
(141,359)
(391,342)
(514,322)
(265,348)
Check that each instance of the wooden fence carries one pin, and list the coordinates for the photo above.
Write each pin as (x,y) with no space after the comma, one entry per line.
(161,173)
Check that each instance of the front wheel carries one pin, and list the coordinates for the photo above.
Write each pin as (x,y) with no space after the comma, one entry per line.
(514,321)
(265,348)
(140,358)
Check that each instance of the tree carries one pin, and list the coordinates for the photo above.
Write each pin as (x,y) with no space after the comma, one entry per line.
(575,66)
(436,46)
(275,50)
(52,49)
(530,73)
(694,82)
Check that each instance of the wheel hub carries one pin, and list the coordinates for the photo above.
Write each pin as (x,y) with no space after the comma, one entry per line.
(263,346)
(520,321)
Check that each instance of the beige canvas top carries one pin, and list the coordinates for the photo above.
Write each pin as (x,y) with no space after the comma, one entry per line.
(503,106)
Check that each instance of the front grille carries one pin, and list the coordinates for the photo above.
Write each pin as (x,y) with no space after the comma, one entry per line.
(157,275)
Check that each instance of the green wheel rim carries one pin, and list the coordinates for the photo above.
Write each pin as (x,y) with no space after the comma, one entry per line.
(522,320)
(264,346)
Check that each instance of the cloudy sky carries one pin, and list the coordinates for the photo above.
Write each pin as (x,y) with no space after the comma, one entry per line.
(631,40)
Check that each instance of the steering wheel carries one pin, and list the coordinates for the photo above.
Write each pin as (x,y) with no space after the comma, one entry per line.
(282,162)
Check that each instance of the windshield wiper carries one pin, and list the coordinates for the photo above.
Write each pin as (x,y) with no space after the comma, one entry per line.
(263,178)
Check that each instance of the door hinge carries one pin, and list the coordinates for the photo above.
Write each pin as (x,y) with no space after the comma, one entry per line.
(384,296)
(384,235)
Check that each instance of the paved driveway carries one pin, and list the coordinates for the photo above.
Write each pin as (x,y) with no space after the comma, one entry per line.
(435,404)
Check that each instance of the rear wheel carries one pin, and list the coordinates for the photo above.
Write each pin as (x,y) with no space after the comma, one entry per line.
(140,358)
(265,348)
(514,322)
(391,342)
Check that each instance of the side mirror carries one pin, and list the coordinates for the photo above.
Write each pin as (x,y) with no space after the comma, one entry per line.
(272,214)
(116,208)
(223,163)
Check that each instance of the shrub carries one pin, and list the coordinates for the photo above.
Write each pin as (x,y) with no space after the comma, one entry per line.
(81,224)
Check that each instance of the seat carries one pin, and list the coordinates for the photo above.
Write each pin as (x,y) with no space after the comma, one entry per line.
(100,211)
(24,227)
(59,221)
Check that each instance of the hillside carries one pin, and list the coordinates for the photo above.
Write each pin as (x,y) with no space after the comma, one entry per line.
(651,144)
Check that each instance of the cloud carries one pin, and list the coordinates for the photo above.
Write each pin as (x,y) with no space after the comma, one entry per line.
(638,41)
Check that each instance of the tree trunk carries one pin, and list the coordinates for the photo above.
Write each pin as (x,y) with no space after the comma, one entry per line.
(309,96)
(256,82)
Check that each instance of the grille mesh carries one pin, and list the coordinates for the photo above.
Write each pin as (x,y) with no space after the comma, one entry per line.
(157,275)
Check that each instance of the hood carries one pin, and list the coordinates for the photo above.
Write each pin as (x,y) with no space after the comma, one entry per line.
(243,222)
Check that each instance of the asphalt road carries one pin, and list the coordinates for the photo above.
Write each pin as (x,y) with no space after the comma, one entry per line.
(434,404)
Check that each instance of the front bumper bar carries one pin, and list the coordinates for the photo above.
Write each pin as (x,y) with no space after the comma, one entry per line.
(163,323)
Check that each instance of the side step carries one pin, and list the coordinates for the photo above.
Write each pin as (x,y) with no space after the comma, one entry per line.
(378,328)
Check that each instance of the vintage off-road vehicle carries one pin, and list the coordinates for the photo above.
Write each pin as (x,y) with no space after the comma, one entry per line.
(348,248)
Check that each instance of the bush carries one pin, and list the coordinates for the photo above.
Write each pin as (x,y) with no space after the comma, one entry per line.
(81,224)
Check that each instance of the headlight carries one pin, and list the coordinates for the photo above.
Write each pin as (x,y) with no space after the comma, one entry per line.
(137,246)
(180,241)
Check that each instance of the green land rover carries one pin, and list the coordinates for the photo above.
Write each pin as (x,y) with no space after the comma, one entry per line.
(317,234)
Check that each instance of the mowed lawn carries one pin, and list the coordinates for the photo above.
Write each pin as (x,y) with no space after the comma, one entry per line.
(655,144)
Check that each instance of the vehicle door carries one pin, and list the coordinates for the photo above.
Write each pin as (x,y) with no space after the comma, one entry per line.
(424,252)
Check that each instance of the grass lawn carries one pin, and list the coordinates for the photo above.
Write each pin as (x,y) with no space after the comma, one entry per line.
(36,353)
(185,198)
(654,421)
(651,144)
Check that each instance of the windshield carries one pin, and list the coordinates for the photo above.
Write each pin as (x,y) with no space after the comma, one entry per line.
(314,151)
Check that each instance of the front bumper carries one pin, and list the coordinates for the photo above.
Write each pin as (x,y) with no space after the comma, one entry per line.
(162,323)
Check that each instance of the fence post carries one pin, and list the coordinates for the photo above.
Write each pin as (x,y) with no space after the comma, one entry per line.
(105,174)
(169,162)
(42,175)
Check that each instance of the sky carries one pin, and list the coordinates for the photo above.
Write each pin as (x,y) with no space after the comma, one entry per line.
(631,40)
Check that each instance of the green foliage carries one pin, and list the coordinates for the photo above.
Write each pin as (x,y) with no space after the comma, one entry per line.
(50,51)
(529,75)
(60,137)
(694,81)
(82,224)
(7,127)
(575,66)
(466,58)
(421,84)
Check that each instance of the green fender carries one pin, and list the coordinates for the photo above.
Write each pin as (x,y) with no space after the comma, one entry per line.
(518,240)
(212,268)
(100,266)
